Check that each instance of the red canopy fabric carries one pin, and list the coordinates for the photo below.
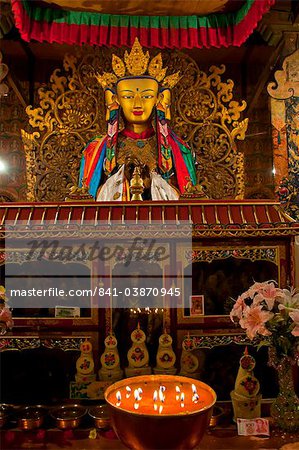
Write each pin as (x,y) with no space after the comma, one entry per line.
(46,24)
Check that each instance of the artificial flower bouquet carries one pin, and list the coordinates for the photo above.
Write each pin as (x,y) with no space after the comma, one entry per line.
(270,315)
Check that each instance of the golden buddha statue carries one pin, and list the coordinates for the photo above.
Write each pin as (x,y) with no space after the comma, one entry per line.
(144,160)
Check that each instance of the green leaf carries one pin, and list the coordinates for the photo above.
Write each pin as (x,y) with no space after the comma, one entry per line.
(263,344)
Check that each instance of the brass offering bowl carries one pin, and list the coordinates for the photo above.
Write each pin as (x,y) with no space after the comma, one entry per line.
(68,416)
(5,413)
(160,411)
(31,417)
(100,416)
(217,415)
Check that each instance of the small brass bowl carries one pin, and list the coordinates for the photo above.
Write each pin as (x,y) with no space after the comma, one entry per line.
(68,416)
(217,414)
(5,412)
(31,417)
(100,416)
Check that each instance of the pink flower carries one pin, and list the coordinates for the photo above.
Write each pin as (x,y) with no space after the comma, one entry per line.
(267,292)
(254,319)
(5,316)
(289,299)
(295,316)
(256,287)
(238,309)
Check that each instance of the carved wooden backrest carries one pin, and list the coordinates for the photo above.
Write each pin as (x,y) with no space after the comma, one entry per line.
(71,112)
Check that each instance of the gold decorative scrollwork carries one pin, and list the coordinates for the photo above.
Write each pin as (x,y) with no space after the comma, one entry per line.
(71,112)
(207,117)
(31,147)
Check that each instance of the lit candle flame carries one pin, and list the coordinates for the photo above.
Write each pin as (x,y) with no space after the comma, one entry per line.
(155,396)
(129,391)
(136,405)
(177,397)
(182,400)
(155,406)
(137,395)
(177,388)
(160,409)
(163,388)
(194,389)
(161,396)
(118,396)
(140,390)
(195,398)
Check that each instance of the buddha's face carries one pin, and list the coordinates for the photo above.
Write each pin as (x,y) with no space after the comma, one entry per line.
(137,97)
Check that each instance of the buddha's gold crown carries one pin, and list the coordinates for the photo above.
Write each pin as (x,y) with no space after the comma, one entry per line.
(136,63)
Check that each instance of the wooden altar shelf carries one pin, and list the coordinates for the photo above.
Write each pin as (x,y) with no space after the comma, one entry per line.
(208,218)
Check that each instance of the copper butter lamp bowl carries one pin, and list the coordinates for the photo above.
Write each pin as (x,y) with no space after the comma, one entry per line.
(68,416)
(31,417)
(100,416)
(160,411)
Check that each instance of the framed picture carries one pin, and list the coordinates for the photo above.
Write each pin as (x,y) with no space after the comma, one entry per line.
(196,305)
(220,274)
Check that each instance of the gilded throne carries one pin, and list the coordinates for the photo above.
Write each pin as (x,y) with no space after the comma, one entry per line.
(71,112)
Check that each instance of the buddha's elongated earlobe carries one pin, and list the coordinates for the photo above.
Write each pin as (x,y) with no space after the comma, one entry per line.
(165,101)
(111,103)
(108,102)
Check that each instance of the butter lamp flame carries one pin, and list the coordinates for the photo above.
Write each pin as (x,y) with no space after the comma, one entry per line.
(195,398)
(137,395)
